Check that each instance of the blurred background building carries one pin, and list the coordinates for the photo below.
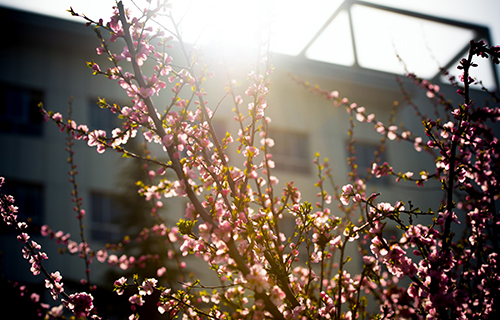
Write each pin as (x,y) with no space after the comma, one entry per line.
(44,59)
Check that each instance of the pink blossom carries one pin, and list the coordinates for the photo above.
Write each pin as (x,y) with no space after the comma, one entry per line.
(257,278)
(391,133)
(55,285)
(94,137)
(161,271)
(347,192)
(102,255)
(35,297)
(136,299)
(56,311)
(273,180)
(277,295)
(112,259)
(72,246)
(119,285)
(381,171)
(80,304)
(96,68)
(57,117)
(147,286)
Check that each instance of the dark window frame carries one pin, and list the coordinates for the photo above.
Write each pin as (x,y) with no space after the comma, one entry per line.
(102,118)
(29,198)
(365,157)
(19,112)
(105,214)
(290,151)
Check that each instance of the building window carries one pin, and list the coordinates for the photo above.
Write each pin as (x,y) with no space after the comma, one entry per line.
(19,111)
(366,154)
(29,199)
(290,151)
(102,118)
(106,211)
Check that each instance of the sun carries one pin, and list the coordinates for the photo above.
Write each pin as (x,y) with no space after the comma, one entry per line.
(235,23)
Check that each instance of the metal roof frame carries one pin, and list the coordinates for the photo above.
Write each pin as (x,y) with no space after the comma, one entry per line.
(482,33)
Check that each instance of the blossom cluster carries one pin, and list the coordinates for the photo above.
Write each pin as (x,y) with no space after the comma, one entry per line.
(79,303)
(232,218)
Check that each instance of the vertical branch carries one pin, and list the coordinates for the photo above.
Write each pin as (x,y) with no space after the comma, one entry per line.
(76,199)
(453,150)
(339,282)
(176,165)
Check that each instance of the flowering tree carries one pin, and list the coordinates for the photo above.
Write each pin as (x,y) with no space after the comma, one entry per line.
(232,217)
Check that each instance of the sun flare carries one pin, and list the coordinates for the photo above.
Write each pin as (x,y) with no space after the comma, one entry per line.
(285,24)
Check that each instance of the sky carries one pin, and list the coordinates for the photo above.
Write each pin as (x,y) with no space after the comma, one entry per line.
(293,26)
(484,12)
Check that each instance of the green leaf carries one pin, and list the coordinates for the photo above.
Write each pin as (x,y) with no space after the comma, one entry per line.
(186,226)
